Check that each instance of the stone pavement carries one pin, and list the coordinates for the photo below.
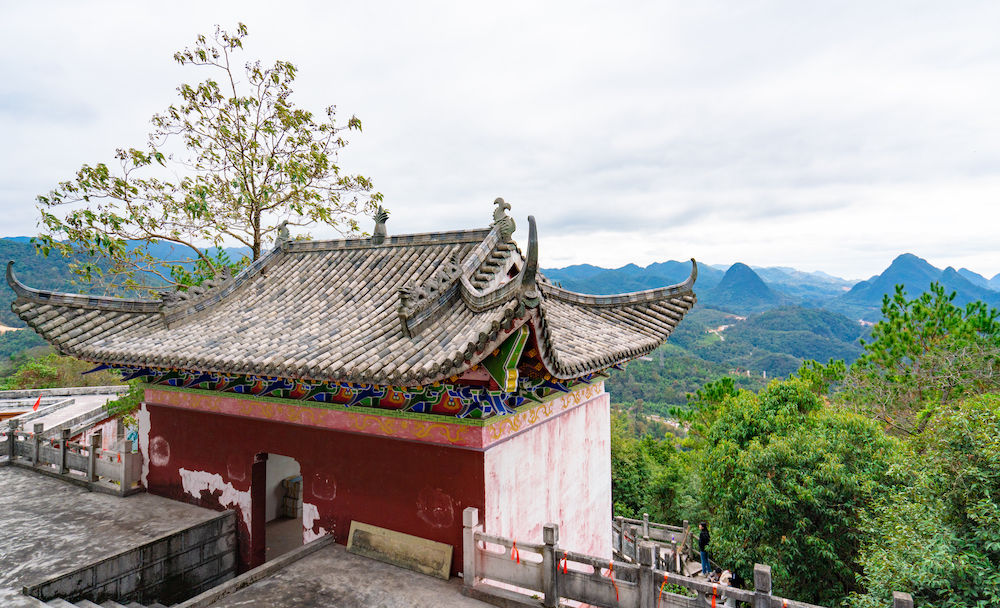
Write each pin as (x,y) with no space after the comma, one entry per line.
(334,578)
(48,526)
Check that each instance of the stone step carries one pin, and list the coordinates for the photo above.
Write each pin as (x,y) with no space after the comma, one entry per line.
(86,604)
(111,604)
(59,603)
(156,605)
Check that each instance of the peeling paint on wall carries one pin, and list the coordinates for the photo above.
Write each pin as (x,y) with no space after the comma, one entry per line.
(324,486)
(197,482)
(435,508)
(310,514)
(236,467)
(159,451)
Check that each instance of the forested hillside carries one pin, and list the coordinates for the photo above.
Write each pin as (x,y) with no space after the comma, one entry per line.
(850,481)
(42,272)
(710,344)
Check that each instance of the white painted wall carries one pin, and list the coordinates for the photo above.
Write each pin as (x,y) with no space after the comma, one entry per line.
(557,472)
(278,468)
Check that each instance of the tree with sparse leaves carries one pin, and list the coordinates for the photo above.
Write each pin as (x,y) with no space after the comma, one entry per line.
(228,163)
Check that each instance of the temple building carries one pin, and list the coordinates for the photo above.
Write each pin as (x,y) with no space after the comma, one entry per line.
(400,378)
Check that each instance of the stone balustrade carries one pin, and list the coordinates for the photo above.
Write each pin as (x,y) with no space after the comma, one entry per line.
(110,471)
(518,573)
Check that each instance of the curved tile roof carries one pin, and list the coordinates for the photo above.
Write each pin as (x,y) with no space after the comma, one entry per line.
(408,311)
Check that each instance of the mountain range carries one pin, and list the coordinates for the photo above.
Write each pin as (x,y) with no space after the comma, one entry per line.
(742,290)
(751,323)
(738,288)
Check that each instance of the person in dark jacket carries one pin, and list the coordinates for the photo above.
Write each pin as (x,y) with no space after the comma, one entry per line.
(703,540)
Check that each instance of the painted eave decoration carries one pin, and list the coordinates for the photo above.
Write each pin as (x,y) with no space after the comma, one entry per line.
(458,323)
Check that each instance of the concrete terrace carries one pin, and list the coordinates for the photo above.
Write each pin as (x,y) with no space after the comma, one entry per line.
(333,577)
(48,526)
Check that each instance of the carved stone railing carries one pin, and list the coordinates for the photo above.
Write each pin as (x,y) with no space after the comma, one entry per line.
(500,569)
(109,471)
(671,544)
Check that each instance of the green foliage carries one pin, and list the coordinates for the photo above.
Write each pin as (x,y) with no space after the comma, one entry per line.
(787,484)
(45,273)
(939,538)
(804,477)
(777,342)
(231,161)
(703,409)
(926,352)
(648,474)
(125,406)
(822,378)
(56,371)
(13,343)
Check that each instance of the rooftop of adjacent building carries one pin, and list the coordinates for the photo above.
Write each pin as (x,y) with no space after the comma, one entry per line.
(333,577)
(48,526)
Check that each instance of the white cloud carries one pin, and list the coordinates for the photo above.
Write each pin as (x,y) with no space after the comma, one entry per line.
(825,137)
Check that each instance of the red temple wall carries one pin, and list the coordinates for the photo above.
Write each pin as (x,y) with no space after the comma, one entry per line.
(207,459)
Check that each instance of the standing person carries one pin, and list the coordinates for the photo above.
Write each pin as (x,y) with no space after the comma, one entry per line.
(703,540)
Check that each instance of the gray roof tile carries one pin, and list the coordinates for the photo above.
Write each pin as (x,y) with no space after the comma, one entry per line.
(331,310)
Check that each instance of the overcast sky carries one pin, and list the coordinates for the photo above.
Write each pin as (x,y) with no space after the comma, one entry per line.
(825,136)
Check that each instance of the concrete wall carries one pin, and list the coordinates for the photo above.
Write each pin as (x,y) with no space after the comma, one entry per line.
(168,569)
(207,459)
(278,468)
(558,472)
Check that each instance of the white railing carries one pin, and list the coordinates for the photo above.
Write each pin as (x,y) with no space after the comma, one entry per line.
(113,471)
(496,568)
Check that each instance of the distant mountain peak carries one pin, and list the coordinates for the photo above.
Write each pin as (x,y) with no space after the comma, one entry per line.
(741,290)
(916,274)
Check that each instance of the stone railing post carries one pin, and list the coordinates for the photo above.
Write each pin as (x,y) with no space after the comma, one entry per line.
(675,557)
(470,525)
(127,477)
(63,447)
(621,534)
(901,600)
(761,586)
(92,458)
(550,565)
(11,439)
(645,526)
(39,429)
(647,586)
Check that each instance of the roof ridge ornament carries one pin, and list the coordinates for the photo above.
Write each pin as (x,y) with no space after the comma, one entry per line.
(530,294)
(501,220)
(381,216)
(439,287)
(176,297)
(283,235)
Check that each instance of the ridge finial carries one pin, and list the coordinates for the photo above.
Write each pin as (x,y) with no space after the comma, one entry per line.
(381,217)
(529,285)
(501,219)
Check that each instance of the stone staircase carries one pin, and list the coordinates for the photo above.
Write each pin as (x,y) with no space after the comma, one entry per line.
(60,603)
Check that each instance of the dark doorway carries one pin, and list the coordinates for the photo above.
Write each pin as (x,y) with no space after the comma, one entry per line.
(276,496)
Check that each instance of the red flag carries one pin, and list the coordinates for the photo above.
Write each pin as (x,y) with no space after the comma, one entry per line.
(37,403)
